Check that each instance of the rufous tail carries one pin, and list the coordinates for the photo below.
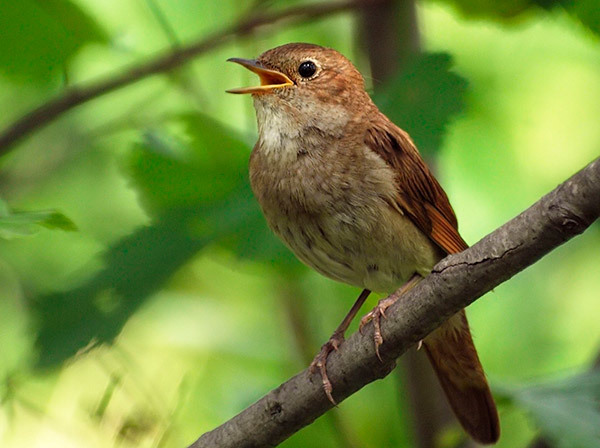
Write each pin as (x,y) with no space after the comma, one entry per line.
(452,353)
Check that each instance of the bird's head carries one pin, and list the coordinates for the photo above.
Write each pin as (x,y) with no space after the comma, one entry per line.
(309,84)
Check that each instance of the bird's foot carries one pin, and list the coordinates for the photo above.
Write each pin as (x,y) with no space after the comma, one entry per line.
(375,315)
(320,363)
(378,312)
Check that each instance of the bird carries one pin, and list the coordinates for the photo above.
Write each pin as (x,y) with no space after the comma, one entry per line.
(348,192)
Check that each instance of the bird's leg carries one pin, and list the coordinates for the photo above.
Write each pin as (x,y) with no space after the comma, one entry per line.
(320,361)
(378,312)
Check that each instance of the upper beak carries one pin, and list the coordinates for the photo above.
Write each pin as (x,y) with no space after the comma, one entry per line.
(269,79)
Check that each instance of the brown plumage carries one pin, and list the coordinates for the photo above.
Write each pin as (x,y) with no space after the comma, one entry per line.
(450,348)
(348,192)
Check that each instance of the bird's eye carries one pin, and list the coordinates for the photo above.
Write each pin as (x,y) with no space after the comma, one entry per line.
(307,69)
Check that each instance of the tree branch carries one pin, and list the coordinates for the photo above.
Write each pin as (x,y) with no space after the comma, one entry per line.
(77,95)
(454,283)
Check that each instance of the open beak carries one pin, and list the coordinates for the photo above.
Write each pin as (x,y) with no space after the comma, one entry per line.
(269,79)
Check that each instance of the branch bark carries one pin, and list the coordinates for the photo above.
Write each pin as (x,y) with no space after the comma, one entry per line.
(454,283)
(77,95)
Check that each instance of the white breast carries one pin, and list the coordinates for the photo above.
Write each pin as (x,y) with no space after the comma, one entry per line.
(278,132)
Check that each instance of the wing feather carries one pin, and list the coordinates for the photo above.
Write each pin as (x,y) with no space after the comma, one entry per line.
(420,196)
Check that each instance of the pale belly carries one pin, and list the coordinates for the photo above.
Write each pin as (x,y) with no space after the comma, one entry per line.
(376,248)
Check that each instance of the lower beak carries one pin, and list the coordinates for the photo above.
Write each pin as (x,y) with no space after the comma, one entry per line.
(269,79)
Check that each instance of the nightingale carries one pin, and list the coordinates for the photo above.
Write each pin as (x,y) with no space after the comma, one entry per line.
(348,192)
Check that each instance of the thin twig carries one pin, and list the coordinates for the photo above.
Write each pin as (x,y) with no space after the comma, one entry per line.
(454,283)
(77,95)
(164,23)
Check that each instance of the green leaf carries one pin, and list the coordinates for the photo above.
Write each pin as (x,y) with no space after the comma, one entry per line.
(209,174)
(171,174)
(567,411)
(39,37)
(586,11)
(136,266)
(18,224)
(423,99)
(498,11)
(198,194)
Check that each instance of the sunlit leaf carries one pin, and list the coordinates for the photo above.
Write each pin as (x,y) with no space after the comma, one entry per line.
(15,224)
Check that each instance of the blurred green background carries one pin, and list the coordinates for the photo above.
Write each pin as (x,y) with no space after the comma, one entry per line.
(143,301)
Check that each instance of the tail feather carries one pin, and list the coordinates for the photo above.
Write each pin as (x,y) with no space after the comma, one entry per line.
(452,353)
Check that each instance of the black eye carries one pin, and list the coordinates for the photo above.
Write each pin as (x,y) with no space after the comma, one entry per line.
(307,69)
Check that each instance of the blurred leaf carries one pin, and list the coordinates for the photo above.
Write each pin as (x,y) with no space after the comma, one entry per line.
(199,194)
(242,229)
(39,36)
(208,173)
(136,266)
(567,411)
(586,11)
(499,11)
(423,98)
(171,174)
(18,224)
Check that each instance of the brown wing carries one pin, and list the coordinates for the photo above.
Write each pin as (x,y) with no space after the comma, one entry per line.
(420,195)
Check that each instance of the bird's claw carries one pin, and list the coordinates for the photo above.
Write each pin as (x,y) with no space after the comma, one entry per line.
(375,315)
(320,363)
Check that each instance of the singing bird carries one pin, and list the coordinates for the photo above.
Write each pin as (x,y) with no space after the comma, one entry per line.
(348,192)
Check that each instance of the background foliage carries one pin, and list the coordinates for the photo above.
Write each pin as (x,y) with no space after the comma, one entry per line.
(143,301)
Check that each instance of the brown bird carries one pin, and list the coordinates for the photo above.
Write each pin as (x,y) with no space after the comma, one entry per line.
(349,194)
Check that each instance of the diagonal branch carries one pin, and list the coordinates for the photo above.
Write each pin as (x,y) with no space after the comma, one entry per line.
(77,95)
(455,282)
